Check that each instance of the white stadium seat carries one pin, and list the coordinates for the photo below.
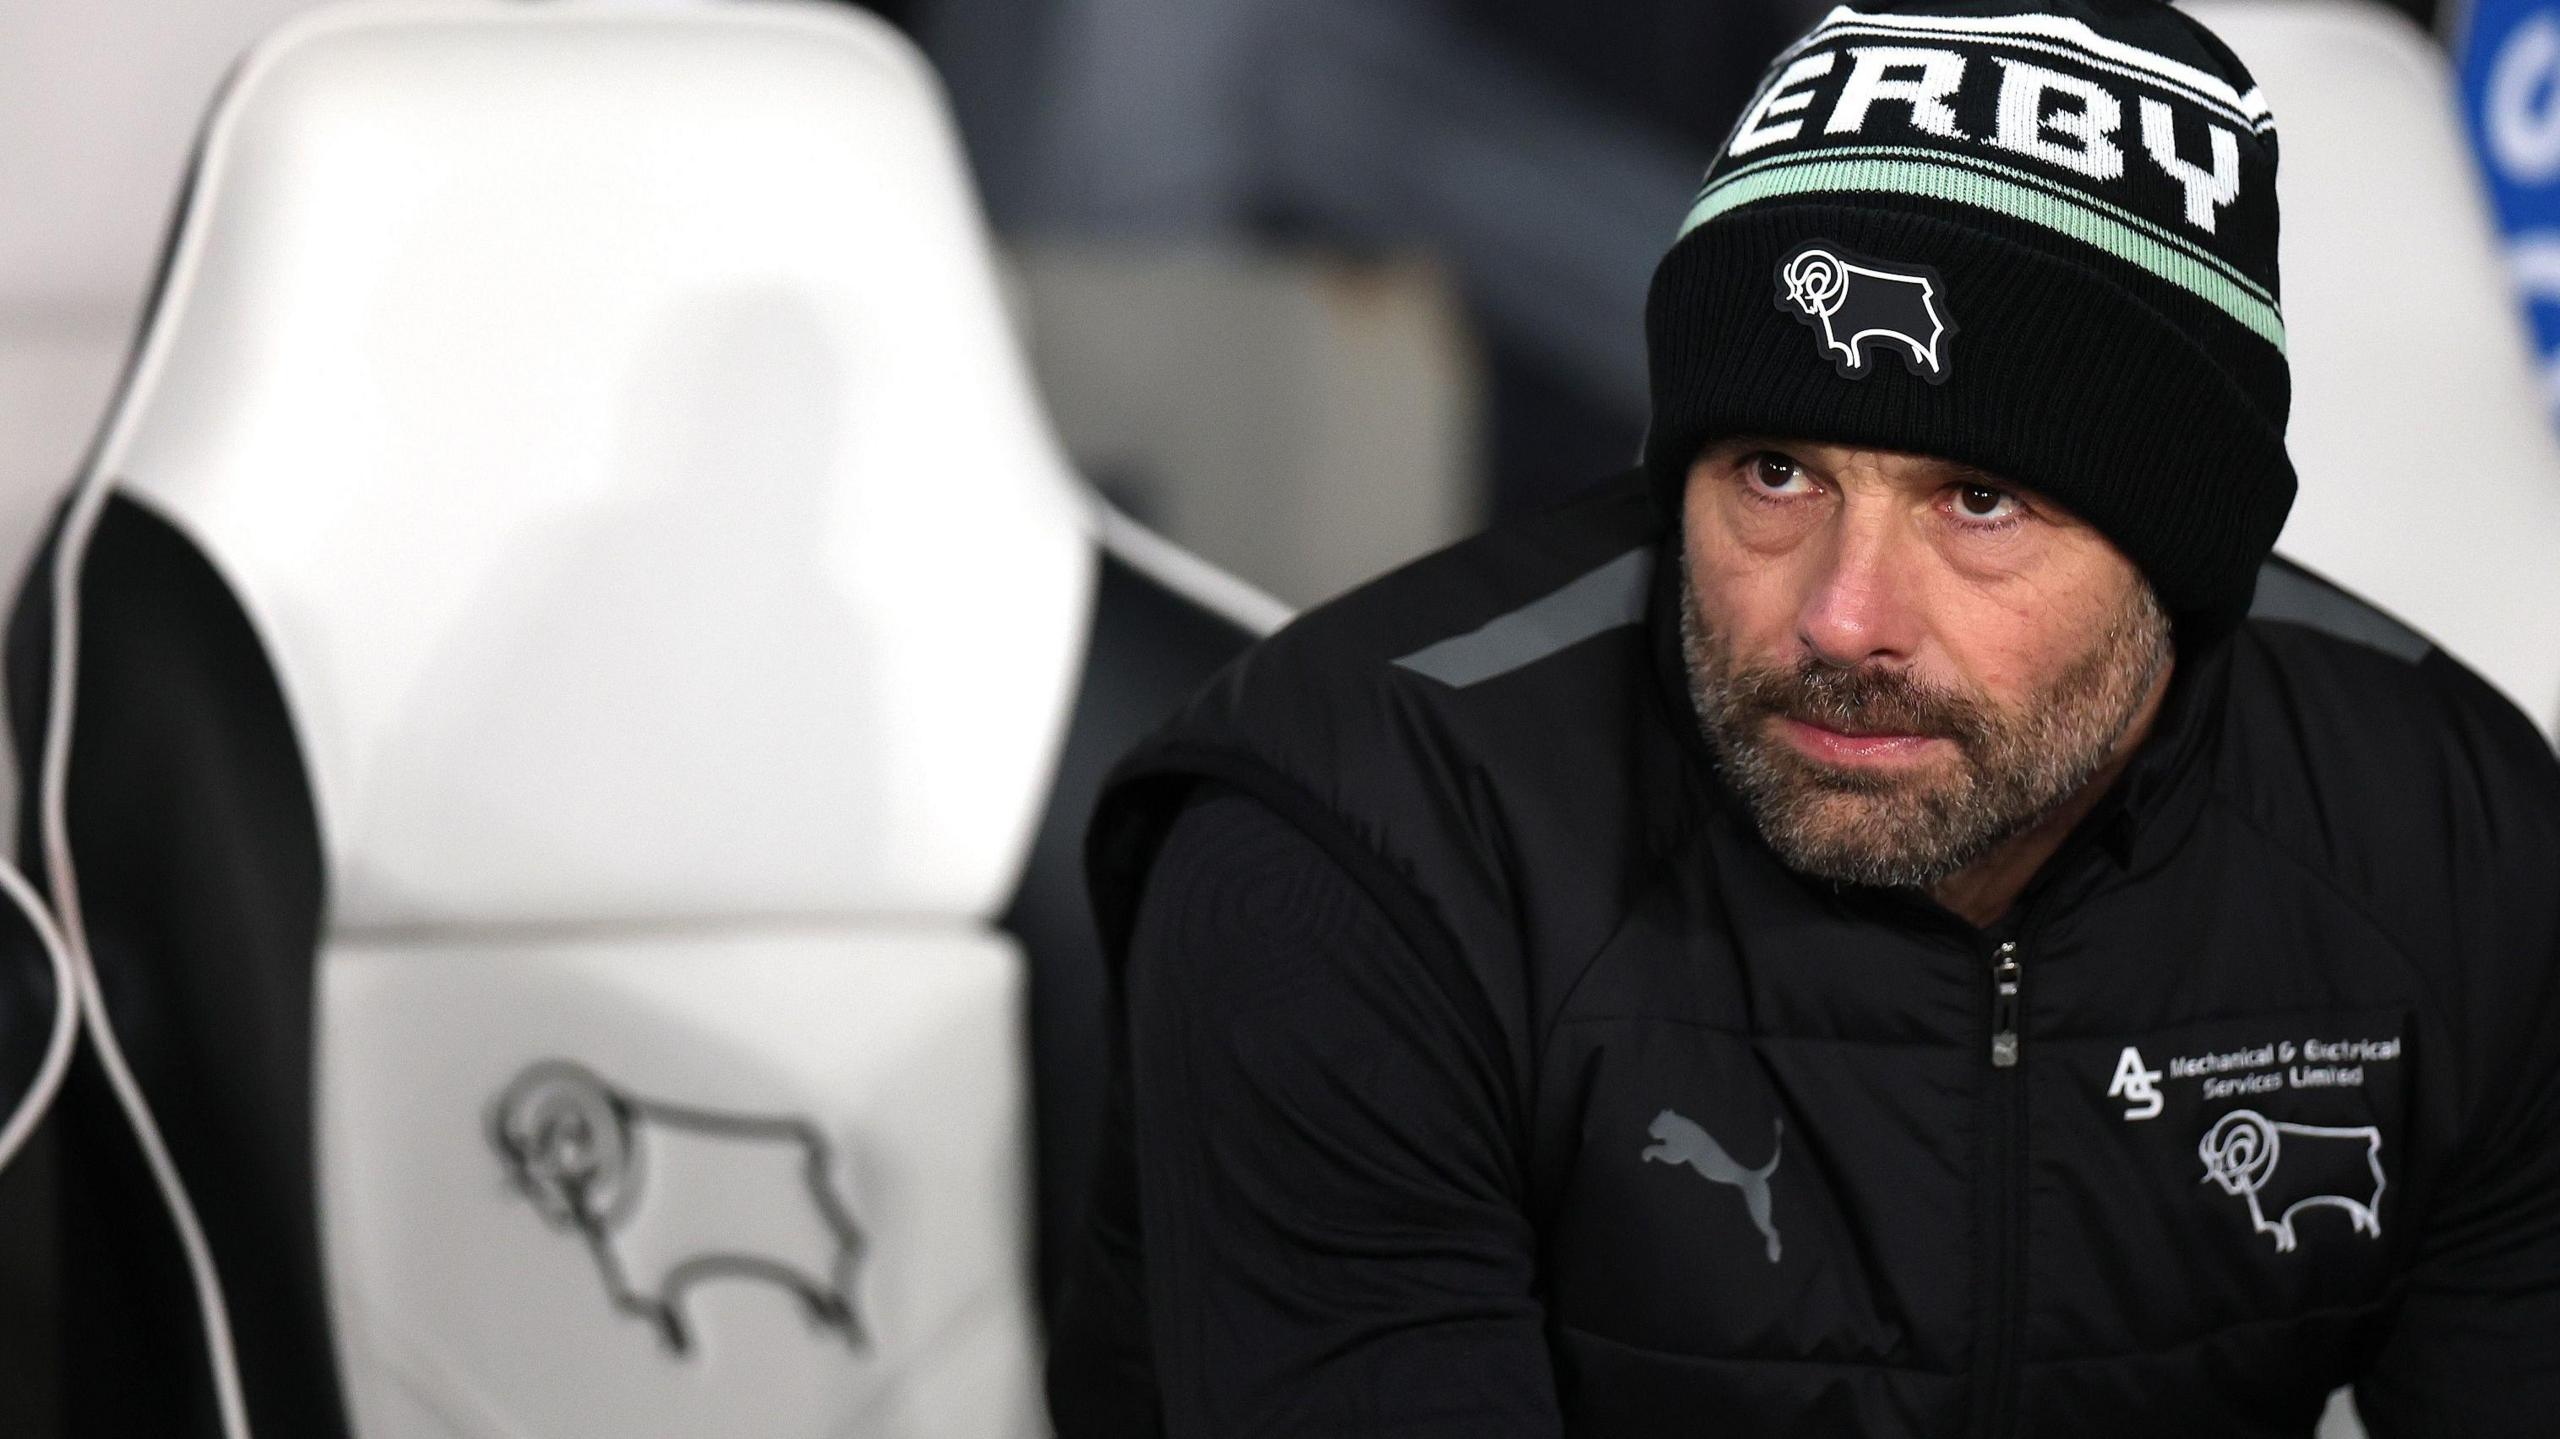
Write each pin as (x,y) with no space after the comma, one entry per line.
(565,702)
(2430,473)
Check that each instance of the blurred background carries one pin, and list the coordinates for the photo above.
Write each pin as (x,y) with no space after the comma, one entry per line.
(1310,286)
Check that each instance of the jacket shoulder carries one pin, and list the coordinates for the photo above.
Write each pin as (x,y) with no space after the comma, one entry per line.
(1535,583)
(2371,752)
(1476,725)
(1449,649)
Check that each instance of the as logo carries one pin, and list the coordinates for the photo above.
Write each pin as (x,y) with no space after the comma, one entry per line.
(1858,307)
(2138,1087)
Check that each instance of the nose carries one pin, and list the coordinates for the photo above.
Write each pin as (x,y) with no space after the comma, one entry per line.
(1857,607)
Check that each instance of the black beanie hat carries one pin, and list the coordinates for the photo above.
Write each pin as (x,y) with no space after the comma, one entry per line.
(2039,239)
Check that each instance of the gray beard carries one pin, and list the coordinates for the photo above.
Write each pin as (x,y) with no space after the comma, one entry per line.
(2014,768)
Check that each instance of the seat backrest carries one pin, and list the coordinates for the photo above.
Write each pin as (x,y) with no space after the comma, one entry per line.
(578,614)
(2430,476)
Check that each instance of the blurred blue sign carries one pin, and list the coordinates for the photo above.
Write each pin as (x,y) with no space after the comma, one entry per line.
(2510,66)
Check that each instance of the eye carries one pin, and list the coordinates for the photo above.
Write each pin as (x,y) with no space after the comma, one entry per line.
(1985,503)
(1771,473)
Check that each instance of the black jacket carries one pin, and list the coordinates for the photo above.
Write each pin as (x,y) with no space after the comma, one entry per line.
(2282,1110)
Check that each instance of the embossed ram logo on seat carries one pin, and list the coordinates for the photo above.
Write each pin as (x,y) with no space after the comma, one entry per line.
(668,1197)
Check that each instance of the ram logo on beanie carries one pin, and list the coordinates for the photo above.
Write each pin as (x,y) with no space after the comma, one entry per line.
(2091,183)
(1856,307)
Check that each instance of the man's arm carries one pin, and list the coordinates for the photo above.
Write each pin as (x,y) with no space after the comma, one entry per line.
(2474,1349)
(1333,1239)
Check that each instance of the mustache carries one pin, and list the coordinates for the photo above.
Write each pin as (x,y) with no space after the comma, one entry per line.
(1864,700)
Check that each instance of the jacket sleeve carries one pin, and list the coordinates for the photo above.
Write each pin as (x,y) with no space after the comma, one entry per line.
(2474,1348)
(1333,1241)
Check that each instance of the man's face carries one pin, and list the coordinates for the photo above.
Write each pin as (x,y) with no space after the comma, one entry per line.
(1902,662)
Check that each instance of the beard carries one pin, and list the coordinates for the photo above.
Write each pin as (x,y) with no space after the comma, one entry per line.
(2012,766)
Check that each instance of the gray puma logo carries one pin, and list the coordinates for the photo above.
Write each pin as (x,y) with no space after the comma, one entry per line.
(1681,1142)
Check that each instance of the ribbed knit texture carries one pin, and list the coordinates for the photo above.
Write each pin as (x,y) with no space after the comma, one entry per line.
(2107,349)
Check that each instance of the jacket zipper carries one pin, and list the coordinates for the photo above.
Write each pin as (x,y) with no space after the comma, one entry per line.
(2004,1005)
(2005,1127)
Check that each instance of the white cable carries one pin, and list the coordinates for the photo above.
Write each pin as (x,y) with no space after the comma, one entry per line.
(66,1018)
(70,553)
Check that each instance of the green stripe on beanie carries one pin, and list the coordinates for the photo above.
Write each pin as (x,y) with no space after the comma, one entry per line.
(2011,192)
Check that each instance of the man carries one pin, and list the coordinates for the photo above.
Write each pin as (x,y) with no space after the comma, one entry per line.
(1856,929)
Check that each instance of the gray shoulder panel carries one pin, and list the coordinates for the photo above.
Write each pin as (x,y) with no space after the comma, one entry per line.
(2294,595)
(1602,599)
